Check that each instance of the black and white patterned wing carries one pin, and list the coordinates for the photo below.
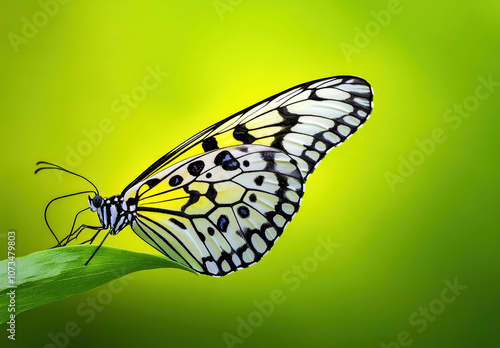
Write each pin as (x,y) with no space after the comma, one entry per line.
(219,211)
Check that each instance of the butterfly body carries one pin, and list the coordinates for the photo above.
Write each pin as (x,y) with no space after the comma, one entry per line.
(219,201)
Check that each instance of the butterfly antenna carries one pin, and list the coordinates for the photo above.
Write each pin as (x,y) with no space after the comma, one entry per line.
(55,166)
(52,201)
(106,236)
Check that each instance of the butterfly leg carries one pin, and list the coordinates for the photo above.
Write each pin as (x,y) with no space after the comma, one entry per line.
(100,244)
(74,234)
(73,231)
(91,240)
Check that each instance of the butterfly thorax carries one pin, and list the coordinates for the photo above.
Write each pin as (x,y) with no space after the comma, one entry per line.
(114,213)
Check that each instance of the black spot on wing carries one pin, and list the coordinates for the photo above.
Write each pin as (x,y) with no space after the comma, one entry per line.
(222,223)
(252,198)
(243,211)
(210,144)
(152,182)
(231,165)
(259,180)
(196,167)
(226,160)
(222,157)
(176,180)
(178,223)
(240,133)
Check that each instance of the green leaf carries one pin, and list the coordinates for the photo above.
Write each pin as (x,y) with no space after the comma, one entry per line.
(51,275)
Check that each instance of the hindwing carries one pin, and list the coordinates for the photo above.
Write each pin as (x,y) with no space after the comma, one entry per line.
(221,210)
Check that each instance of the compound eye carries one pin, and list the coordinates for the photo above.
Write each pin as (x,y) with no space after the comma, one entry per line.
(97,201)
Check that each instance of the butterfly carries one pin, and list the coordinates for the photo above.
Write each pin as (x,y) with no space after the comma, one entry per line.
(218,202)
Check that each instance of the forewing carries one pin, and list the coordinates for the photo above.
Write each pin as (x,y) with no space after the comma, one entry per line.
(219,211)
(305,121)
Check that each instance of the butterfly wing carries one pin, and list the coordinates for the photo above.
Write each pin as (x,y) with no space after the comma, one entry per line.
(305,121)
(219,211)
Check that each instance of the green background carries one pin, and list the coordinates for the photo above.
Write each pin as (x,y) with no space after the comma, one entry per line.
(405,221)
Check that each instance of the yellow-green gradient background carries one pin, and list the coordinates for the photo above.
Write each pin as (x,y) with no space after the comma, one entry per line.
(397,243)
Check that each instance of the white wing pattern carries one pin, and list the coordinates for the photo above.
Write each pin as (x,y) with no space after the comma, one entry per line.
(219,201)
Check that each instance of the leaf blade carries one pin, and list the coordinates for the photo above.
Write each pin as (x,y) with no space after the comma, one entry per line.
(51,275)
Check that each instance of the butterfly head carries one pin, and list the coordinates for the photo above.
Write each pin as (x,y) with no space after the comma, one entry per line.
(96,202)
